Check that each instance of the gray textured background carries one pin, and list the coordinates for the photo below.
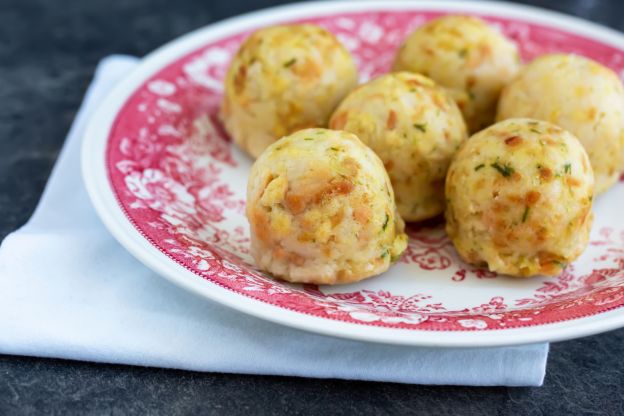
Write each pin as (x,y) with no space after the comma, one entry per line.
(48,51)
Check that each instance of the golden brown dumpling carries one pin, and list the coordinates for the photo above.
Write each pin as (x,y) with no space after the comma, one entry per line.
(580,95)
(519,198)
(468,57)
(282,79)
(321,209)
(415,127)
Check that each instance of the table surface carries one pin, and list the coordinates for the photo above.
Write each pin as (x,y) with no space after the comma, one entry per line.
(48,51)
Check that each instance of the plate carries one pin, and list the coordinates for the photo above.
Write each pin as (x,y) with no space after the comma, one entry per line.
(170,186)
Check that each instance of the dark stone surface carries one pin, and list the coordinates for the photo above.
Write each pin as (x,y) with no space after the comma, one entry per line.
(48,51)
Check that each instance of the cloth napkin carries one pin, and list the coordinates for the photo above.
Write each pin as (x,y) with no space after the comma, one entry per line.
(69,290)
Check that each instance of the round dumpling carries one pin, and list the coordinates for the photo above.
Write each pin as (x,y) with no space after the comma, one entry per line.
(283,79)
(466,56)
(321,210)
(580,95)
(415,127)
(519,197)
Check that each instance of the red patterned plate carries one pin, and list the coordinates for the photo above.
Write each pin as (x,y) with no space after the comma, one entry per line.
(170,186)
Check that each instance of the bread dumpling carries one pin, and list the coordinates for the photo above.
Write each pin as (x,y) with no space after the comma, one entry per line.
(580,95)
(468,57)
(321,210)
(415,127)
(519,198)
(282,79)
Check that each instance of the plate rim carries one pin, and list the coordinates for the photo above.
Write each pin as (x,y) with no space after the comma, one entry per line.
(95,177)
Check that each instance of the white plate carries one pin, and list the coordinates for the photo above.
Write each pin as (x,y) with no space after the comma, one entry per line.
(170,187)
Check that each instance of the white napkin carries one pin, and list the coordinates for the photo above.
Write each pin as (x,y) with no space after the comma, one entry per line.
(69,290)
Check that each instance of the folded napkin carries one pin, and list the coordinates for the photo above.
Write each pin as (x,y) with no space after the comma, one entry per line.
(69,290)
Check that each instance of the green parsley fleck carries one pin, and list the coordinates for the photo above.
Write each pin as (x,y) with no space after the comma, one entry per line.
(309,138)
(526,214)
(567,168)
(535,131)
(290,62)
(560,264)
(504,170)
(422,127)
(385,254)
(385,224)
(335,149)
(462,52)
(479,166)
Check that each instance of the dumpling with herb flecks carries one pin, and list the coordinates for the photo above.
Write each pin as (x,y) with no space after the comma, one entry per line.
(321,210)
(519,198)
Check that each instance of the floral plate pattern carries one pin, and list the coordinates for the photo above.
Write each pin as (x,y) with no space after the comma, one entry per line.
(178,184)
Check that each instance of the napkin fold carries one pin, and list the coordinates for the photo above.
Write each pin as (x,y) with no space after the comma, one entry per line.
(69,290)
